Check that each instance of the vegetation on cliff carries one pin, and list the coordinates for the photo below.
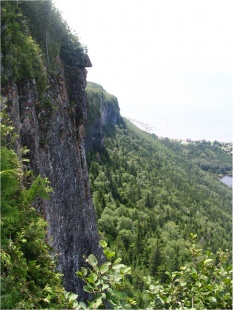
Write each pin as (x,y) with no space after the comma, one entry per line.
(51,123)
(103,114)
(150,196)
(96,95)
(99,99)
(21,55)
(35,40)
(34,37)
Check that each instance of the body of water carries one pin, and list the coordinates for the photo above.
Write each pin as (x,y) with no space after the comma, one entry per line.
(227,180)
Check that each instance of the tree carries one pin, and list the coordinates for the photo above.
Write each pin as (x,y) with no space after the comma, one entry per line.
(104,282)
(155,259)
(22,57)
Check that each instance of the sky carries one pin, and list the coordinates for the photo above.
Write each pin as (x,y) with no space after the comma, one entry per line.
(169,62)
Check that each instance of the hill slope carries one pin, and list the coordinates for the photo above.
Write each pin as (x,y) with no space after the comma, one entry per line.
(149,198)
(148,195)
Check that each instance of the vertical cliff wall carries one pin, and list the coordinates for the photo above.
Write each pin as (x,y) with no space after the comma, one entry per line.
(52,128)
(103,115)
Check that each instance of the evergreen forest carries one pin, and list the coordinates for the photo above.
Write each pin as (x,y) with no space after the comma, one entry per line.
(151,193)
(164,218)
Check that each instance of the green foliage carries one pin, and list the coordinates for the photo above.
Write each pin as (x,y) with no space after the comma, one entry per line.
(203,283)
(52,33)
(96,93)
(22,58)
(28,273)
(99,99)
(148,199)
(209,156)
(104,282)
(34,37)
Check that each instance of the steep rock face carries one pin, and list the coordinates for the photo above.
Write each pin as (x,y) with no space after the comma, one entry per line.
(52,128)
(103,114)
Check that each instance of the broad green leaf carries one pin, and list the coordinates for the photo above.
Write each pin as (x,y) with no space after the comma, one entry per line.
(175,273)
(92,278)
(109,253)
(105,267)
(87,289)
(92,260)
(72,296)
(105,286)
(97,303)
(193,270)
(103,243)
(118,279)
(118,266)
(125,270)
(79,274)
(84,271)
(213,299)
(118,260)
(82,305)
(207,261)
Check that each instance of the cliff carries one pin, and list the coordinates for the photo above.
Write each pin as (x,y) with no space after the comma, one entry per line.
(53,130)
(103,115)
(43,89)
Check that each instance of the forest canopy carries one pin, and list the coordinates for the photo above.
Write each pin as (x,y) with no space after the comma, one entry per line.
(150,196)
(151,193)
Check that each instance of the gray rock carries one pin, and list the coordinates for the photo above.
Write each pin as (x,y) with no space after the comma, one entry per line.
(52,129)
(83,61)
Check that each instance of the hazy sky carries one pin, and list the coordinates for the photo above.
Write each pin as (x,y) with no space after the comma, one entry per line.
(169,62)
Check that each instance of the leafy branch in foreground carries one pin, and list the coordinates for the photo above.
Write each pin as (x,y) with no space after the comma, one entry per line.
(104,282)
(200,284)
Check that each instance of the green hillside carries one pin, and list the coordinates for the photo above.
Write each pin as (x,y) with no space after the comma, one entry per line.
(151,195)
(149,198)
(214,157)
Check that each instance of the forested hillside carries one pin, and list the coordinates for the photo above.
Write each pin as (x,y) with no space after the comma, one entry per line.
(150,195)
(209,156)
(159,205)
